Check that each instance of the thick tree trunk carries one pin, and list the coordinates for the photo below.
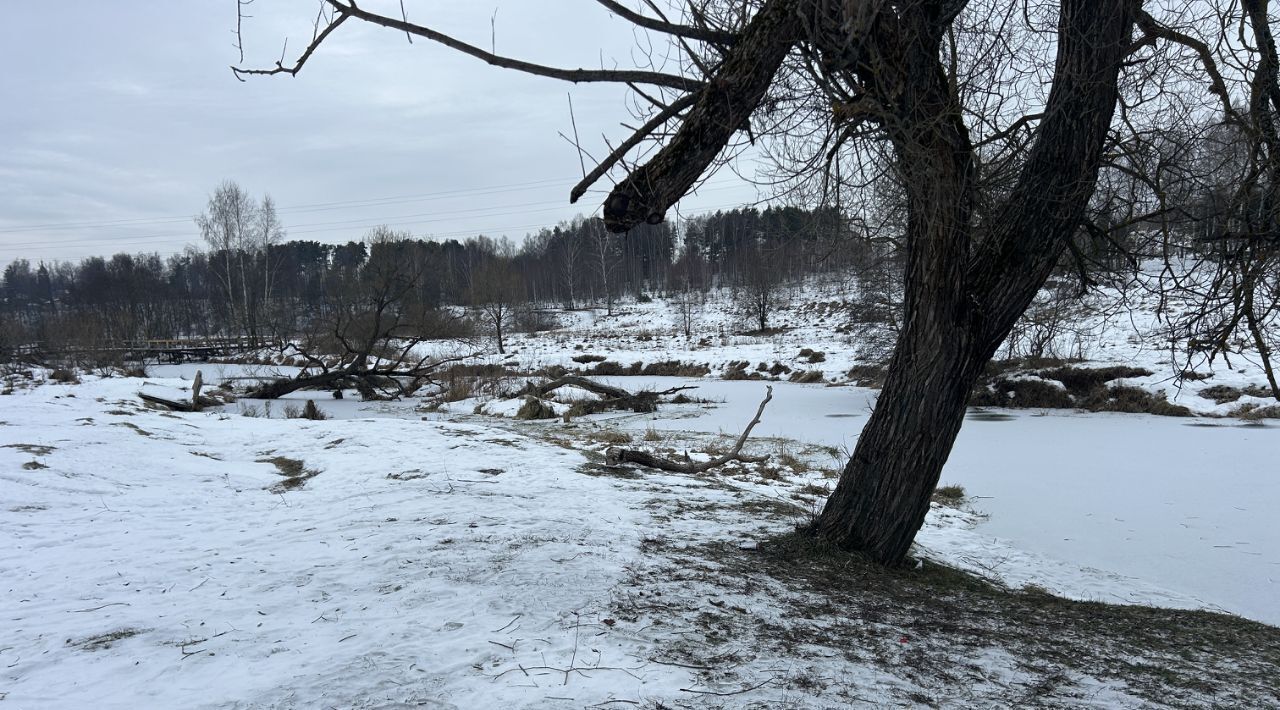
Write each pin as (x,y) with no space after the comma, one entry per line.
(959,309)
(886,486)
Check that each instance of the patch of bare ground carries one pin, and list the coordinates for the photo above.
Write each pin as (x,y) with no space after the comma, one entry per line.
(793,617)
(295,473)
(33,449)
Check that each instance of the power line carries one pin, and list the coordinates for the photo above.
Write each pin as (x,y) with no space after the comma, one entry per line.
(475,232)
(314,207)
(300,209)
(310,228)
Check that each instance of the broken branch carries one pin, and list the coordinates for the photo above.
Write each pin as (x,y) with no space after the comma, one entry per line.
(615,456)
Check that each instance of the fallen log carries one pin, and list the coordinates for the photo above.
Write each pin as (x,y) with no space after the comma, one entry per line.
(174,405)
(611,397)
(583,383)
(615,456)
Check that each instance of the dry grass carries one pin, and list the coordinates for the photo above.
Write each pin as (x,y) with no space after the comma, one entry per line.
(1251,412)
(33,449)
(1222,394)
(534,408)
(1133,400)
(1082,387)
(806,377)
(949,495)
(612,437)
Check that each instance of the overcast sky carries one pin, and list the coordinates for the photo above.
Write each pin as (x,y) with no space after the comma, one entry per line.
(120,118)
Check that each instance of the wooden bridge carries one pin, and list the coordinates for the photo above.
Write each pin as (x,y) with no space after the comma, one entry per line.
(167,351)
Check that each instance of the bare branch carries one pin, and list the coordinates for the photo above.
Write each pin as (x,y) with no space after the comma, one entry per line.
(345,10)
(723,107)
(653,124)
(701,34)
(280,68)
(1153,30)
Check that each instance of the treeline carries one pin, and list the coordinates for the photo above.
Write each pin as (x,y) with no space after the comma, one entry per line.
(266,288)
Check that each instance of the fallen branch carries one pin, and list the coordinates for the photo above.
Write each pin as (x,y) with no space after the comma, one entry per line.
(615,456)
(581,382)
(611,397)
(167,403)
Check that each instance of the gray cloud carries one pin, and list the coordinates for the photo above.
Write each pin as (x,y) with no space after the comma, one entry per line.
(122,117)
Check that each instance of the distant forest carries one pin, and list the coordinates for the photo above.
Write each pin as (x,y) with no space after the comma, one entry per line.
(250,282)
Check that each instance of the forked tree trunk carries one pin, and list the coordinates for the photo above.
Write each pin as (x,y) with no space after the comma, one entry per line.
(967,284)
(961,301)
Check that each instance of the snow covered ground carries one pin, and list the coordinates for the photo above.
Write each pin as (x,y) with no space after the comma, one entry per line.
(382,560)
(154,560)
(1114,326)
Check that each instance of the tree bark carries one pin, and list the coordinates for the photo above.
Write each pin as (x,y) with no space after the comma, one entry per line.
(724,107)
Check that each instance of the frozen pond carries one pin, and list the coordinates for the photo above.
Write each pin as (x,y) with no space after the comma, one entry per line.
(1187,504)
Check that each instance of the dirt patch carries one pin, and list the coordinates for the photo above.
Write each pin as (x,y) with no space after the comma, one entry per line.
(33,449)
(851,631)
(295,473)
(929,628)
(135,427)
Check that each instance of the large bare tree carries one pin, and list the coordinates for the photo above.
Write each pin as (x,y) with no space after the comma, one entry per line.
(988,119)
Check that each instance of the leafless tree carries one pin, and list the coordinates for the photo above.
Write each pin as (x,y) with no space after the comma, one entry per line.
(268,234)
(225,225)
(241,233)
(373,332)
(990,117)
(759,291)
(496,289)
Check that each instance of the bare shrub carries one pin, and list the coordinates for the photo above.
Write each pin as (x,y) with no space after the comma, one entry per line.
(65,376)
(1121,398)
(534,408)
(312,412)
(949,495)
(1021,393)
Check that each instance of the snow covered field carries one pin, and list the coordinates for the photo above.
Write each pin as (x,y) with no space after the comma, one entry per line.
(383,560)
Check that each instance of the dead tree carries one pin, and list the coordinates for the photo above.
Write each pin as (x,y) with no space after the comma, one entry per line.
(615,456)
(611,397)
(374,337)
(986,219)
